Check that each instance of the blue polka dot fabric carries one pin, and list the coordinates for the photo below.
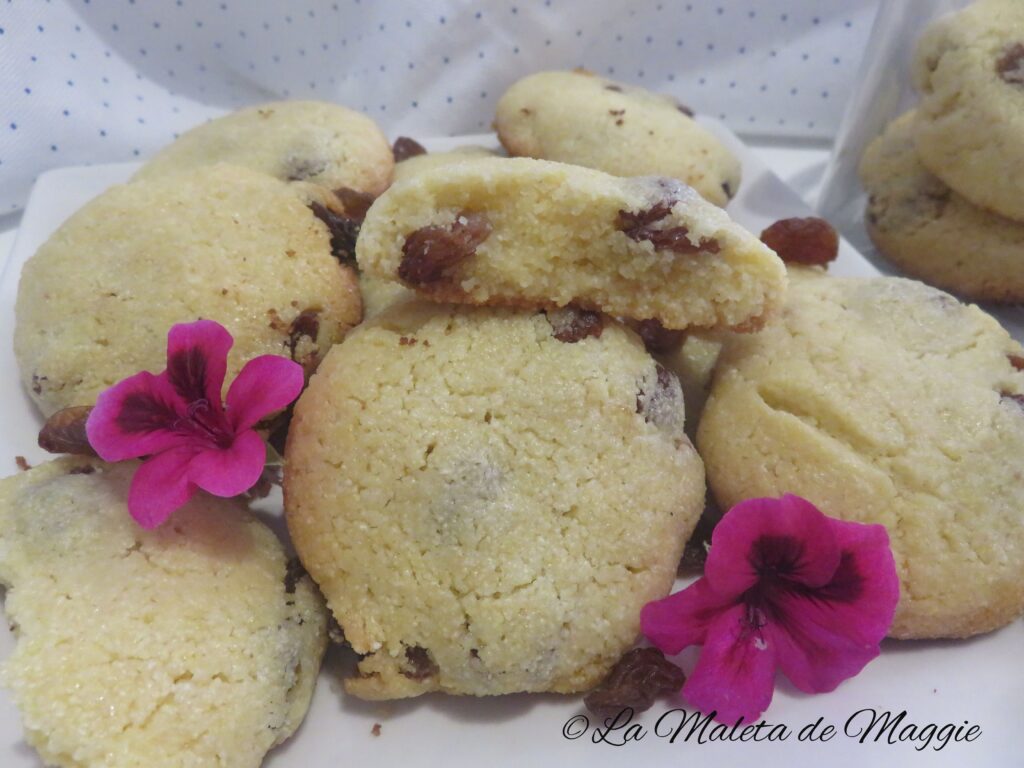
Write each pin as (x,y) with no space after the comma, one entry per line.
(90,81)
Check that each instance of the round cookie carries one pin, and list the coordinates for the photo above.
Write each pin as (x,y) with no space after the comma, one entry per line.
(580,118)
(404,169)
(969,129)
(535,233)
(886,401)
(931,232)
(379,294)
(221,242)
(487,497)
(312,141)
(193,644)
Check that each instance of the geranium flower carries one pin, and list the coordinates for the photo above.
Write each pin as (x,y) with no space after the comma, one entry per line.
(177,419)
(784,587)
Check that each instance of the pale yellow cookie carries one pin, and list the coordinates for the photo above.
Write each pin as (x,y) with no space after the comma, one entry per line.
(488,497)
(189,645)
(220,242)
(310,141)
(580,118)
(882,400)
(931,232)
(413,165)
(524,232)
(969,126)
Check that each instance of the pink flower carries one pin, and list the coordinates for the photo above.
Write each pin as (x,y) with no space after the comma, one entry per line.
(784,587)
(178,420)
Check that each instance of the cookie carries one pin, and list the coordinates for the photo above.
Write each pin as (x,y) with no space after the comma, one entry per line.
(487,497)
(379,294)
(312,141)
(929,231)
(969,68)
(221,242)
(579,118)
(413,165)
(883,400)
(534,233)
(192,644)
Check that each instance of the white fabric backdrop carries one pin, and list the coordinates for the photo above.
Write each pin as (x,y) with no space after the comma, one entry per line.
(84,81)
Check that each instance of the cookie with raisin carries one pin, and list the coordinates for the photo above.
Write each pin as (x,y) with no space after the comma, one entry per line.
(577,117)
(969,68)
(535,233)
(299,141)
(487,496)
(883,400)
(190,644)
(220,242)
(932,233)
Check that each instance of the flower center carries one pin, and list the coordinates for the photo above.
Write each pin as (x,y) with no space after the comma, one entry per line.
(203,421)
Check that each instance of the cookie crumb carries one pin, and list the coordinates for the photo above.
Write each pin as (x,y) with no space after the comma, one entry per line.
(22,463)
(375,731)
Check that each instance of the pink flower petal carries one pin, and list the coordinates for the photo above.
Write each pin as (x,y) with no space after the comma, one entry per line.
(266,384)
(681,620)
(197,360)
(825,635)
(230,471)
(735,673)
(135,417)
(160,486)
(788,536)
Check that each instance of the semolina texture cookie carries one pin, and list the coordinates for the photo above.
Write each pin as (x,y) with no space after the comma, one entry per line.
(190,645)
(580,118)
(310,141)
(929,231)
(524,232)
(969,68)
(487,497)
(413,165)
(379,294)
(221,242)
(886,401)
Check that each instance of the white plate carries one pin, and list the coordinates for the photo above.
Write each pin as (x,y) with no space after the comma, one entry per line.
(980,681)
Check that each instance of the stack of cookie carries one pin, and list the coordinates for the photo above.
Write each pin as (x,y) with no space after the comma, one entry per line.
(946,196)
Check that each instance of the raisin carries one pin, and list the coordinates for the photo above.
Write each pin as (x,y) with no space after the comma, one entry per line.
(269,477)
(570,324)
(430,251)
(302,168)
(727,190)
(375,731)
(85,469)
(306,324)
(404,148)
(1010,66)
(344,231)
(644,402)
(64,432)
(1018,399)
(421,665)
(810,241)
(637,679)
(1017,362)
(615,88)
(685,110)
(657,338)
(639,226)
(22,463)
(37,383)
(356,203)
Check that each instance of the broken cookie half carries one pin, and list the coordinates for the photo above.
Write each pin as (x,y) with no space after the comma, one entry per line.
(533,233)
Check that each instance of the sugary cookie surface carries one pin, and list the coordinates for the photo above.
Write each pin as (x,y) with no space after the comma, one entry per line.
(220,242)
(190,645)
(308,141)
(580,118)
(885,401)
(534,233)
(487,497)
